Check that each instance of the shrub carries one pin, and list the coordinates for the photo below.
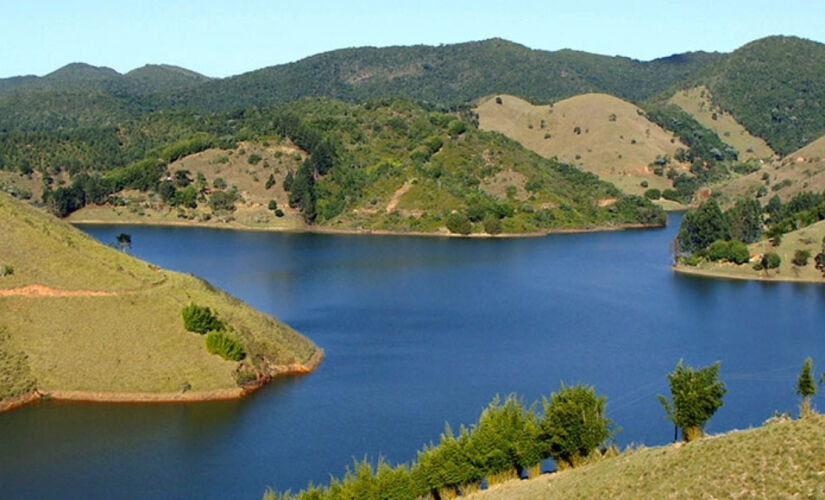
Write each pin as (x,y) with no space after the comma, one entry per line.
(574,424)
(254,159)
(219,183)
(819,262)
(498,100)
(800,258)
(273,205)
(279,212)
(731,251)
(6,270)
(696,396)
(217,342)
(459,223)
(456,128)
(222,200)
(200,319)
(672,195)
(492,224)
(771,260)
(270,182)
(805,387)
(653,194)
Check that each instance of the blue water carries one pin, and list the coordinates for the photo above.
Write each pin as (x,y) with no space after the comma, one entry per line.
(420,331)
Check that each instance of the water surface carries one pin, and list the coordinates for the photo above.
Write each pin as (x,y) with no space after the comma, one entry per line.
(419,331)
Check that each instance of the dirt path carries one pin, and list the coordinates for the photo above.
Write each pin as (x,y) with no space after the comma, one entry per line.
(44,291)
(396,197)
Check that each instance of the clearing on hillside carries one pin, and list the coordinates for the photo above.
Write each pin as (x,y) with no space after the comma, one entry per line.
(599,133)
(697,102)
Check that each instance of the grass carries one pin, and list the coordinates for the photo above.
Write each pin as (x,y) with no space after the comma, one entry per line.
(807,238)
(778,460)
(616,142)
(697,103)
(133,341)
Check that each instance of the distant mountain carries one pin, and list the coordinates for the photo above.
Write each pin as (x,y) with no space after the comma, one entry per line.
(445,74)
(82,78)
(774,87)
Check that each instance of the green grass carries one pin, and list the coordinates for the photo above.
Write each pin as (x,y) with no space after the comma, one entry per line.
(778,460)
(134,341)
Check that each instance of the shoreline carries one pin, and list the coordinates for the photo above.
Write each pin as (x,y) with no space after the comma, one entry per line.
(226,394)
(710,273)
(368,232)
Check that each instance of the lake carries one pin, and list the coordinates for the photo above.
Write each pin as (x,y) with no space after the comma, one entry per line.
(419,331)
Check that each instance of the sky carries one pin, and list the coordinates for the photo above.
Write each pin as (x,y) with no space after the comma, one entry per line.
(225,38)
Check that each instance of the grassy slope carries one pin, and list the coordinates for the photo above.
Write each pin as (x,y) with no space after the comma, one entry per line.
(234,168)
(604,147)
(130,342)
(807,238)
(803,169)
(698,103)
(779,460)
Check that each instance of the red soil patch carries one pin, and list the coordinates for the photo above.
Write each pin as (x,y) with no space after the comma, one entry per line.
(44,291)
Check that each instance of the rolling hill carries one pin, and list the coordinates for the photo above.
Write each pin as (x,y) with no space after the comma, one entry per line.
(597,132)
(80,320)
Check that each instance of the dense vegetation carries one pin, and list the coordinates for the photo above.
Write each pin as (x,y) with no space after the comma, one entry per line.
(775,87)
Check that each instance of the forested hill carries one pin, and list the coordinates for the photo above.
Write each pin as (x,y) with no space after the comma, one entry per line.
(81,78)
(81,95)
(774,87)
(445,74)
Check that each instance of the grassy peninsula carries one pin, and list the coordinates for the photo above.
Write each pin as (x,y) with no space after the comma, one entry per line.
(79,320)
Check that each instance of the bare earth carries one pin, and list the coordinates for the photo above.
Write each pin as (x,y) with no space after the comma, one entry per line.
(44,291)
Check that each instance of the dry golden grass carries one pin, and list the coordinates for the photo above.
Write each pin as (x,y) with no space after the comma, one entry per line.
(133,341)
(778,460)
(697,103)
(615,142)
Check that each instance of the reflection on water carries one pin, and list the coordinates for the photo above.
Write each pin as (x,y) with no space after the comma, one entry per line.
(418,331)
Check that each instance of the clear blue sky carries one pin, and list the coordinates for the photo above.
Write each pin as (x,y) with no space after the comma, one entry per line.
(226,38)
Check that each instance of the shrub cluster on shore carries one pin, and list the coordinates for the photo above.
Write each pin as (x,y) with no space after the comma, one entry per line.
(200,319)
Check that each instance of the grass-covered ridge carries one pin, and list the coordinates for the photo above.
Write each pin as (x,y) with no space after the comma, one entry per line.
(779,460)
(105,323)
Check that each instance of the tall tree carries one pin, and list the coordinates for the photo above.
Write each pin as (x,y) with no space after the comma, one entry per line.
(696,396)
(805,387)
(703,226)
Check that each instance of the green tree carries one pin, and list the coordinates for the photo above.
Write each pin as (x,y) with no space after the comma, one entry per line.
(459,223)
(492,224)
(124,241)
(696,396)
(574,424)
(771,260)
(805,387)
(200,319)
(703,226)
(745,220)
(800,258)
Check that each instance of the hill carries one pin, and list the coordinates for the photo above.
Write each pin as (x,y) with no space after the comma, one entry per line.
(779,460)
(388,165)
(698,103)
(774,87)
(597,132)
(80,320)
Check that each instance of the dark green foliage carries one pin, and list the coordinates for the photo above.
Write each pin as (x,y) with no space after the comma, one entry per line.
(270,181)
(222,200)
(459,223)
(217,342)
(254,159)
(273,205)
(805,387)
(771,260)
(200,319)
(492,224)
(219,183)
(6,270)
(672,195)
(288,180)
(696,396)
(703,226)
(456,127)
(124,241)
(702,142)
(731,251)
(800,258)
(745,220)
(186,197)
(279,212)
(574,423)
(653,194)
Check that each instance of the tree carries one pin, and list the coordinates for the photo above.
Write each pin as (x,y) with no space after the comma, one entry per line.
(771,260)
(696,396)
(574,424)
(222,200)
(800,258)
(805,387)
(124,241)
(703,226)
(199,319)
(459,223)
(745,220)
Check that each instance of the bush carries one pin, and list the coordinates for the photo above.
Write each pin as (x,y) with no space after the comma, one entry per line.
(224,346)
(574,424)
(254,159)
(6,270)
(672,195)
(219,183)
(731,251)
(800,258)
(279,212)
(696,396)
(200,319)
(456,128)
(653,194)
(492,224)
(273,205)
(270,182)
(221,200)
(459,223)
(771,260)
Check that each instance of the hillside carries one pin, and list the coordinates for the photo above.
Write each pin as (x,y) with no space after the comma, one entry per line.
(388,165)
(614,141)
(774,87)
(778,460)
(698,103)
(80,320)
(445,74)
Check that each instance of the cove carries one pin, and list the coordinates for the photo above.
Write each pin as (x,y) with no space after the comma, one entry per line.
(419,331)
